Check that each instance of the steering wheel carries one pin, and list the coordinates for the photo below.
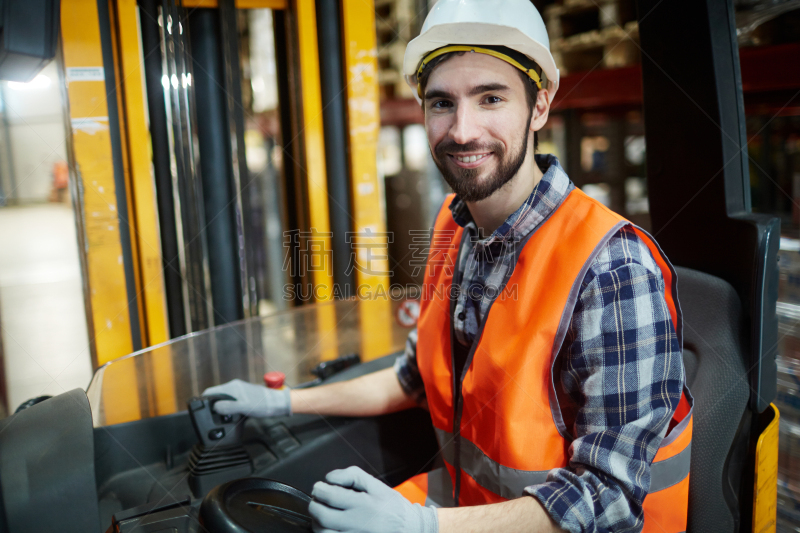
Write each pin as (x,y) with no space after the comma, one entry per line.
(255,505)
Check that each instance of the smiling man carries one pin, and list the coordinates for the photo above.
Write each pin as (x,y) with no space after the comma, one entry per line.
(479,116)
(548,348)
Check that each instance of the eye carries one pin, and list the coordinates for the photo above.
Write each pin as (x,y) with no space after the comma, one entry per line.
(493,100)
(440,104)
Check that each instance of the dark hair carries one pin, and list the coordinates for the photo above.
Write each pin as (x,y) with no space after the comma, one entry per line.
(531,90)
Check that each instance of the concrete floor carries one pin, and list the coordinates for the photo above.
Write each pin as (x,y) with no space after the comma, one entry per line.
(42,317)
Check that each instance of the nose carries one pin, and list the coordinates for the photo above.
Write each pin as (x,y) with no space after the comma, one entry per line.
(465,126)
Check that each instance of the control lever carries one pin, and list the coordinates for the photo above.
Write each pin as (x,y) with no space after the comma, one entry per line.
(214,429)
(326,369)
(219,456)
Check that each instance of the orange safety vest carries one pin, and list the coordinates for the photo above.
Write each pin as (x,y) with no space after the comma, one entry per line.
(510,428)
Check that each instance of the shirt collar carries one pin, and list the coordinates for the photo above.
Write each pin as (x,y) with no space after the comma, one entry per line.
(545,198)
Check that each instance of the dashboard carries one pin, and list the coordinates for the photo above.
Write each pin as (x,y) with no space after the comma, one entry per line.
(163,474)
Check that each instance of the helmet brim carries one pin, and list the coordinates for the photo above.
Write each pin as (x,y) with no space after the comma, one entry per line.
(475,33)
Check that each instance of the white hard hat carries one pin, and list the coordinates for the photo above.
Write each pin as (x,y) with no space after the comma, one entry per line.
(514,24)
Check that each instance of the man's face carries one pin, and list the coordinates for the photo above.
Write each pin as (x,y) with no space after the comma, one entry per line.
(477,119)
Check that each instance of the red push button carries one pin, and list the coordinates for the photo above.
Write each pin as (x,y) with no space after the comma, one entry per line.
(274,380)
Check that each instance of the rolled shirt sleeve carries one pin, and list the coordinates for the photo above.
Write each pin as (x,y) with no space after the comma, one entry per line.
(622,370)
(407,371)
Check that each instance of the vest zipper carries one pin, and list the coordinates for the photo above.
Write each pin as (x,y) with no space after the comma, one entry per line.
(456,376)
(458,379)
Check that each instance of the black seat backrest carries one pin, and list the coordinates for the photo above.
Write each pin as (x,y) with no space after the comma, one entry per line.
(47,480)
(714,353)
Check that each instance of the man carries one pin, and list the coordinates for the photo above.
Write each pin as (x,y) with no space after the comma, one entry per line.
(548,348)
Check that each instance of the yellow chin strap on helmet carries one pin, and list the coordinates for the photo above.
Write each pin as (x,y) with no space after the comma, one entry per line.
(532,74)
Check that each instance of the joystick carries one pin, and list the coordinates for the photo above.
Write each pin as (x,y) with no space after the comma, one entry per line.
(219,456)
(214,429)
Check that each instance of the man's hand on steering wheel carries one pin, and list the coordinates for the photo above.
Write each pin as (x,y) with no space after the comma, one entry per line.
(352,501)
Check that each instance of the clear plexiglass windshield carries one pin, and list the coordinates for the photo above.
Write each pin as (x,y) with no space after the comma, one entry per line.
(158,380)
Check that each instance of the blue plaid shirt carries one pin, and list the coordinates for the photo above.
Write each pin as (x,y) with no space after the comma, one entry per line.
(621,366)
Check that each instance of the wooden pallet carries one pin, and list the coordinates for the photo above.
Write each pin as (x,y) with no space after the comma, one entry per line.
(396,20)
(390,70)
(573,17)
(611,47)
(392,85)
(396,23)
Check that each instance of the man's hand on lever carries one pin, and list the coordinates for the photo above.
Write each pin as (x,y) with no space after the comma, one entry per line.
(251,400)
(352,501)
(370,395)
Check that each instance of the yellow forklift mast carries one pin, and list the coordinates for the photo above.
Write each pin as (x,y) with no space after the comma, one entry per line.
(136,296)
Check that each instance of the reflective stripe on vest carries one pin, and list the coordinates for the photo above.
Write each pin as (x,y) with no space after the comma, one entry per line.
(502,480)
(508,428)
(440,489)
(669,472)
(432,489)
(510,482)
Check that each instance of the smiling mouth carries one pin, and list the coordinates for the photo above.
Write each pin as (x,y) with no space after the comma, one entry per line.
(470,160)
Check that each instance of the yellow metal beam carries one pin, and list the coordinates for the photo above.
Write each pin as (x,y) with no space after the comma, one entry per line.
(765,483)
(130,223)
(318,246)
(91,165)
(241,4)
(370,246)
(138,171)
(314,142)
(141,193)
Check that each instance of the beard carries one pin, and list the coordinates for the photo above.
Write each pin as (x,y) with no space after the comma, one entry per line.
(464,181)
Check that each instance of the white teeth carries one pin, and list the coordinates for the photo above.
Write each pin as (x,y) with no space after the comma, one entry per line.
(470,158)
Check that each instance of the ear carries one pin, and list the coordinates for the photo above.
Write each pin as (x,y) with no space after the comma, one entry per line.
(541,110)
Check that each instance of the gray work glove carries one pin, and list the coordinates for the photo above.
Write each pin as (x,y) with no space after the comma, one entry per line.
(251,400)
(352,501)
